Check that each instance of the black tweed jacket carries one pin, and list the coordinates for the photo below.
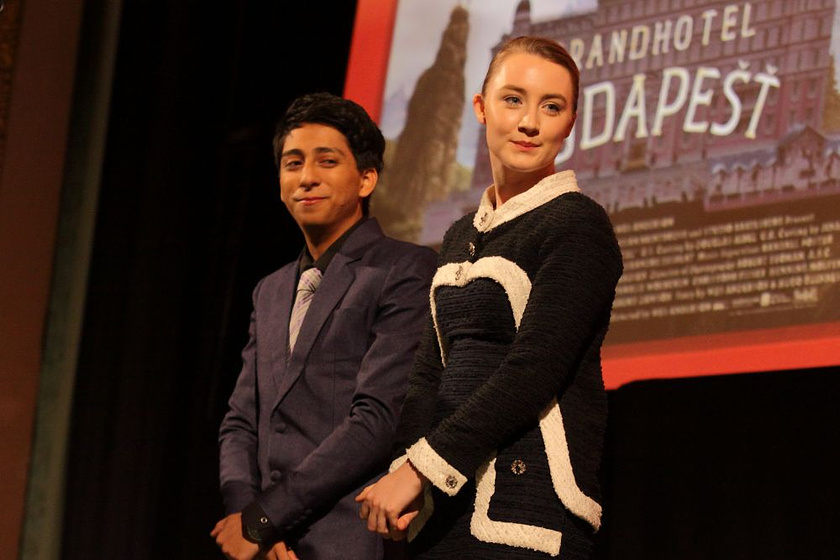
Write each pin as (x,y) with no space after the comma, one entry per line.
(554,253)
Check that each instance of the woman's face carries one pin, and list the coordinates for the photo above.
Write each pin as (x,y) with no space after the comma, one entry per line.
(527,107)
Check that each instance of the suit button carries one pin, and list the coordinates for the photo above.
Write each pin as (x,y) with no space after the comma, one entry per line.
(264,520)
(280,427)
(451,482)
(275,476)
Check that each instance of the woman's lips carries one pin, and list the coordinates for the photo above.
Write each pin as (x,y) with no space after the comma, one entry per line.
(525,145)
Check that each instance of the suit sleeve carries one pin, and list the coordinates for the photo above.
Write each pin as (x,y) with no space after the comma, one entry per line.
(238,470)
(569,304)
(361,444)
(424,381)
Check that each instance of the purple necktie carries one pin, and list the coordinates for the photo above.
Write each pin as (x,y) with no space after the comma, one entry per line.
(308,283)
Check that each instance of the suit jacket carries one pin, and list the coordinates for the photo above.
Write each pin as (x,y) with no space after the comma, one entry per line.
(305,432)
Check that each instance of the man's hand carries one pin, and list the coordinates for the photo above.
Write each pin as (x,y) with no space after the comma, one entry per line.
(281,552)
(228,535)
(393,502)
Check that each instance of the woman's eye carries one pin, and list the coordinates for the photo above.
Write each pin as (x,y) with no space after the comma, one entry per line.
(553,108)
(513,100)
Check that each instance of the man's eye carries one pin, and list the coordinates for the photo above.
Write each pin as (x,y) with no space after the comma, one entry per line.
(291,164)
(329,162)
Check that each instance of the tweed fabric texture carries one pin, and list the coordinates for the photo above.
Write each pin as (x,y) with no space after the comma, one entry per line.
(507,387)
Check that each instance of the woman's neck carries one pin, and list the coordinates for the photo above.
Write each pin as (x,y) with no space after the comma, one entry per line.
(508,183)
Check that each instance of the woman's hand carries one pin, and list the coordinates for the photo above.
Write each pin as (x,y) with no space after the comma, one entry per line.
(393,502)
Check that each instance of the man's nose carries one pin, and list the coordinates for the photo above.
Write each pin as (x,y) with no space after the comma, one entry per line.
(309,176)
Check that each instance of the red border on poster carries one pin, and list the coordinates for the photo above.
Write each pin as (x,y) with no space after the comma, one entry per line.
(751,351)
(367,66)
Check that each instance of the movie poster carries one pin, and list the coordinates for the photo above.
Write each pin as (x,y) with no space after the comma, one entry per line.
(709,130)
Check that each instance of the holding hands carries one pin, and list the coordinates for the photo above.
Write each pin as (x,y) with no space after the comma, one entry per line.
(391,504)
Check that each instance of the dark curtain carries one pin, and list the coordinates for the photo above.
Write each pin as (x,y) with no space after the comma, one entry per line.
(727,467)
(189,219)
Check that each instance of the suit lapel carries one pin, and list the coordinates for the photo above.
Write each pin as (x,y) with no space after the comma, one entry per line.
(282,310)
(337,280)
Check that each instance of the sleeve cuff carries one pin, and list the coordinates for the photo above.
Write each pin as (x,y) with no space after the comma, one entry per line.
(434,467)
(257,527)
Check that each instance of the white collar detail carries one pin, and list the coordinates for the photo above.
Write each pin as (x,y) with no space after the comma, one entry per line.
(487,217)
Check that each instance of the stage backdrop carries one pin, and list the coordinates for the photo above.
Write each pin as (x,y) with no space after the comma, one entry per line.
(709,130)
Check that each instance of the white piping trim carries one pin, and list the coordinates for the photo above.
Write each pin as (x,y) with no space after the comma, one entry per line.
(501,532)
(560,466)
(434,467)
(488,216)
(507,274)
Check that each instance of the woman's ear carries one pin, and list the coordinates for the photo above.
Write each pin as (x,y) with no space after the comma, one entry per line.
(478,108)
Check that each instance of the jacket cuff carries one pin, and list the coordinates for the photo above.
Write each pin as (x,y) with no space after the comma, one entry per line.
(434,467)
(257,527)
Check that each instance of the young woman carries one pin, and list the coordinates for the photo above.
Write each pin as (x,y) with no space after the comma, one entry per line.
(502,430)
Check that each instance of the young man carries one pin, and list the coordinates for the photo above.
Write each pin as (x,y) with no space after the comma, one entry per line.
(332,340)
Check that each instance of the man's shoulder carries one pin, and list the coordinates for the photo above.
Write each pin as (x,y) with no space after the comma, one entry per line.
(372,244)
(405,247)
(276,278)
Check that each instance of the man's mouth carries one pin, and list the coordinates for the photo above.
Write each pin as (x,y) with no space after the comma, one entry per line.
(310,200)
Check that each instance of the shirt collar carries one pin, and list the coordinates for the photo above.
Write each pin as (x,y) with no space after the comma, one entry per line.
(488,216)
(324,260)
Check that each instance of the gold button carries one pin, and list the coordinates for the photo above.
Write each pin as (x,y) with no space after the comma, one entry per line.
(518,467)
(451,482)
(458,274)
(472,249)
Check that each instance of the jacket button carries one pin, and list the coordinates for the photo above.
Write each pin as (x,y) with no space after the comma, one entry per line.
(280,428)
(471,248)
(264,520)
(451,482)
(518,467)
(275,476)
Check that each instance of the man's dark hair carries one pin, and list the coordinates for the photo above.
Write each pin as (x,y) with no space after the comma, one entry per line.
(349,118)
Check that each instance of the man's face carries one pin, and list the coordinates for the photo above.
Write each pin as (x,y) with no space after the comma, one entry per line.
(319,181)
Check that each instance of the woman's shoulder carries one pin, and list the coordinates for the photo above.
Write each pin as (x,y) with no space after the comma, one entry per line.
(576,203)
(463,226)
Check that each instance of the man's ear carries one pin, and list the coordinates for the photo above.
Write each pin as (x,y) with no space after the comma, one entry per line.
(368,182)
(478,108)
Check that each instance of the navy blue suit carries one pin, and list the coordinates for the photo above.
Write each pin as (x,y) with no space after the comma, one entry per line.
(306,431)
